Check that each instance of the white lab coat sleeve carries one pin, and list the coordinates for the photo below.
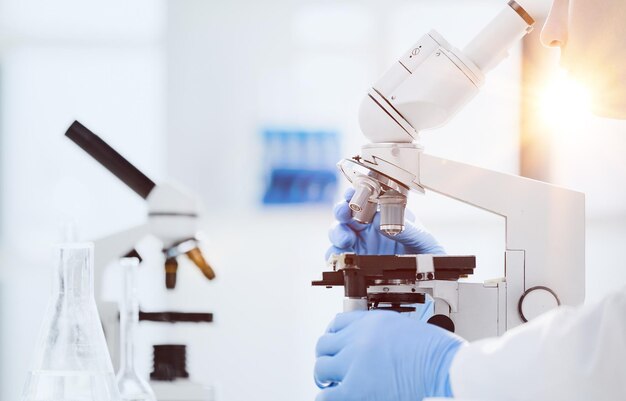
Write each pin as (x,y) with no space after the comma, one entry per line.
(566,354)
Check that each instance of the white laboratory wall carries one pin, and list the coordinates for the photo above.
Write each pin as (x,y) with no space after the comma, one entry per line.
(110,21)
(588,155)
(103,64)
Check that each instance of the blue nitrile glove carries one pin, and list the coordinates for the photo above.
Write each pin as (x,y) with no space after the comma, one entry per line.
(348,235)
(384,356)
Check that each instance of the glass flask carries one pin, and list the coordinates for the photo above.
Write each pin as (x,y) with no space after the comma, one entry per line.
(72,361)
(132,386)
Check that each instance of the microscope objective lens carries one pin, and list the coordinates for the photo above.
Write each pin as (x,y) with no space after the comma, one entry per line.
(392,205)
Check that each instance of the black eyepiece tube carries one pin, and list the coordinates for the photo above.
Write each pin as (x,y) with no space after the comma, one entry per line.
(110,159)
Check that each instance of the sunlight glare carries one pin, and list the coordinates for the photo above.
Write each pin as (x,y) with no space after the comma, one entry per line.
(565,103)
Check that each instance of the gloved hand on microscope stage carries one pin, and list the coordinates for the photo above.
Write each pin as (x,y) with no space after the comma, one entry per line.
(348,235)
(383,355)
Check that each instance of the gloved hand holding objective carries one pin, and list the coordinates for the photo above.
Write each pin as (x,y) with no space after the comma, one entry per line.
(348,235)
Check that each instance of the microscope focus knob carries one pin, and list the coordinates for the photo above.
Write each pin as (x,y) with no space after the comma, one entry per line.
(442,321)
(536,301)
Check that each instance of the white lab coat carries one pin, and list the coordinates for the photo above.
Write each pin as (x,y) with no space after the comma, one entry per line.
(566,354)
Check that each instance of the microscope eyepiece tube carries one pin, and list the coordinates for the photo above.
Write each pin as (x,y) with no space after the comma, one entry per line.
(522,12)
(110,159)
(392,206)
(492,44)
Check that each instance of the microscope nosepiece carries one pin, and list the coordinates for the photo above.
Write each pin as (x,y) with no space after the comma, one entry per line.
(190,248)
(392,206)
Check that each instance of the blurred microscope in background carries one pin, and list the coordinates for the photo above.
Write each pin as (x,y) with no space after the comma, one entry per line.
(173,219)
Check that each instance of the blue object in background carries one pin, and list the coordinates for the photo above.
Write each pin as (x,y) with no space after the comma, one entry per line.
(300,166)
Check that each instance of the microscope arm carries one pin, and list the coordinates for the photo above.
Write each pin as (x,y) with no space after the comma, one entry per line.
(544,258)
(115,246)
(544,226)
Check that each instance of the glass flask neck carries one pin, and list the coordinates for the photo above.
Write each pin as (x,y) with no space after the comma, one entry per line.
(129,314)
(131,385)
(73,278)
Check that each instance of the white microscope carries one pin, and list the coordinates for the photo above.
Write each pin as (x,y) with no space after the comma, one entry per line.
(544,259)
(173,215)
